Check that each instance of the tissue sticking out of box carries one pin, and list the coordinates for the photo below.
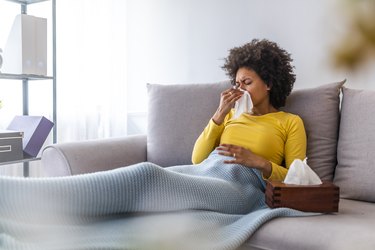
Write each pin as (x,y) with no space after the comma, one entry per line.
(300,173)
(243,105)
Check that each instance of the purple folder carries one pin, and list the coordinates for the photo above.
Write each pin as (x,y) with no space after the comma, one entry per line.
(35,129)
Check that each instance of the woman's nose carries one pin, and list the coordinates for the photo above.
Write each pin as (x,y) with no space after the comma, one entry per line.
(241,86)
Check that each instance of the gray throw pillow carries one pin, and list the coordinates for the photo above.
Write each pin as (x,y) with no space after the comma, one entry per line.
(355,170)
(177,114)
(319,109)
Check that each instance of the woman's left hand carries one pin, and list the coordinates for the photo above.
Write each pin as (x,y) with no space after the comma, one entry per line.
(245,157)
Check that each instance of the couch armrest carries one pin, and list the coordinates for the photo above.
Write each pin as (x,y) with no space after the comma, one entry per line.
(93,155)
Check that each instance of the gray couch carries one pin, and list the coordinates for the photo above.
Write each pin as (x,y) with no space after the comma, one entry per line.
(341,147)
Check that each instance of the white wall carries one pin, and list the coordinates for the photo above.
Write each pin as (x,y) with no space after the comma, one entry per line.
(183,41)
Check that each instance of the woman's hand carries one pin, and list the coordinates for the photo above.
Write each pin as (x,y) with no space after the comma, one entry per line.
(227,99)
(245,157)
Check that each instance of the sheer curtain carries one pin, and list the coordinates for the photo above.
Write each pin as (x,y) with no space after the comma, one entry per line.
(91,72)
(91,69)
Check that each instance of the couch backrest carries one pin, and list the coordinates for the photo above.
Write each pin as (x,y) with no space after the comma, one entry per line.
(177,114)
(355,171)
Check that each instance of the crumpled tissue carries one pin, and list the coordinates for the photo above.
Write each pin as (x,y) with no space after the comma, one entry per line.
(300,173)
(243,105)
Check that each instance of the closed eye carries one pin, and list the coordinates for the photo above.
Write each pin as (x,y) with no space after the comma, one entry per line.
(247,82)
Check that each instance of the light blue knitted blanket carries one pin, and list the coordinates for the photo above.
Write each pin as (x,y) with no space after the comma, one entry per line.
(207,206)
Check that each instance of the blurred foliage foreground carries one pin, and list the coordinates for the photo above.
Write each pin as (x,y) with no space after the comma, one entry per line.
(357,47)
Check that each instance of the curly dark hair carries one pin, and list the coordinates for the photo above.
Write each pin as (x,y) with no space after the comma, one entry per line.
(270,62)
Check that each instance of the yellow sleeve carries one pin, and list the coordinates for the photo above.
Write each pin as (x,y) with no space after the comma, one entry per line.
(295,148)
(208,140)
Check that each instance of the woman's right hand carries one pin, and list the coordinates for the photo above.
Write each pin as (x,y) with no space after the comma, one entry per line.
(227,99)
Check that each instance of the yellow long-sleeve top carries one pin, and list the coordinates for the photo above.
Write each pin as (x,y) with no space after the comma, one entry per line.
(279,137)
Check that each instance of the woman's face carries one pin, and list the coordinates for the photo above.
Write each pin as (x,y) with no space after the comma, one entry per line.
(248,80)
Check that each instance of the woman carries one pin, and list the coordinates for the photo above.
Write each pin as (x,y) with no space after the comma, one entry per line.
(216,205)
(266,139)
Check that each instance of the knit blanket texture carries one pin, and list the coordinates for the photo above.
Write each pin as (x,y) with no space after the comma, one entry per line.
(211,205)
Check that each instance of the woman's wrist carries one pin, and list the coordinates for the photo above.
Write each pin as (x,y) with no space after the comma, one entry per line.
(267,169)
(217,119)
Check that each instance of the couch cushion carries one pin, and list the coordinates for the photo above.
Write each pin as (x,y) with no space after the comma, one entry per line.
(319,109)
(177,114)
(355,170)
(351,228)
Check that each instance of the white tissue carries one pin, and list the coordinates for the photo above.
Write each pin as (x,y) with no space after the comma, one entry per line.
(243,105)
(301,174)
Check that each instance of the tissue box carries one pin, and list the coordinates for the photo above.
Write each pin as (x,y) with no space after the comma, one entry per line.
(323,198)
(10,145)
